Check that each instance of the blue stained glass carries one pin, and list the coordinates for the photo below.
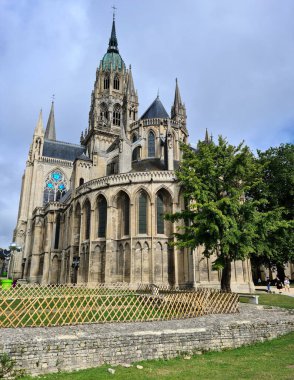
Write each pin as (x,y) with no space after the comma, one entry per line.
(61,187)
(56,176)
(50,185)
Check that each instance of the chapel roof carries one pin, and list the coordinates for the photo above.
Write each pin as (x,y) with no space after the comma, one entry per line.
(155,110)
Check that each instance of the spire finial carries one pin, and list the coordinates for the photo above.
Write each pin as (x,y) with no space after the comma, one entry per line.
(158,94)
(113,45)
(114,9)
(53,98)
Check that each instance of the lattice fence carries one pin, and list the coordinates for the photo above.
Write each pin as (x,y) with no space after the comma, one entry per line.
(57,305)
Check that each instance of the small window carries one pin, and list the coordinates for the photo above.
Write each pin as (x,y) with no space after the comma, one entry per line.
(151,144)
(116,82)
(81,181)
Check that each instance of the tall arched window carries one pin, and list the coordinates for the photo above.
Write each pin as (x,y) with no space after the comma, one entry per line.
(160,213)
(163,206)
(87,219)
(106,81)
(151,144)
(142,214)
(102,216)
(116,115)
(103,111)
(116,82)
(55,187)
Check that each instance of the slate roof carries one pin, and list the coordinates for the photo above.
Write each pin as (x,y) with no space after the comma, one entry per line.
(156,110)
(62,150)
(151,164)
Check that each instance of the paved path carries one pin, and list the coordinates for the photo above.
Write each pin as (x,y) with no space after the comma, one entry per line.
(274,290)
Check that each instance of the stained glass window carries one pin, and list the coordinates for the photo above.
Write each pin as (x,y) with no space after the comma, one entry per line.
(55,187)
(151,144)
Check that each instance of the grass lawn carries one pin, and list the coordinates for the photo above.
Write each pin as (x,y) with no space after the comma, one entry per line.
(276,300)
(263,361)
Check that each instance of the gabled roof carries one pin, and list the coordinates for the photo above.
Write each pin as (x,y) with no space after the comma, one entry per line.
(62,150)
(156,110)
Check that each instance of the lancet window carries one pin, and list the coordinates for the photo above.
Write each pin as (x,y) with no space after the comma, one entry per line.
(55,187)
(116,82)
(142,213)
(106,82)
(151,144)
(116,115)
(102,216)
(103,111)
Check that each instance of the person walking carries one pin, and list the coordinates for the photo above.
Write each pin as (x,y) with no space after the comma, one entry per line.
(287,284)
(279,285)
(268,285)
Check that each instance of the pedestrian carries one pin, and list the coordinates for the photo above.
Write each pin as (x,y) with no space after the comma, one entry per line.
(268,285)
(279,285)
(287,284)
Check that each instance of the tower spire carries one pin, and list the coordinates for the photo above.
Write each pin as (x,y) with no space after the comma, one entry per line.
(113,45)
(39,127)
(50,133)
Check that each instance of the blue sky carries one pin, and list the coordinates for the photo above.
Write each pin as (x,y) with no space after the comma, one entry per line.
(234,61)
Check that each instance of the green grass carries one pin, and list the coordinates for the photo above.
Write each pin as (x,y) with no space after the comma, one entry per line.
(263,361)
(276,300)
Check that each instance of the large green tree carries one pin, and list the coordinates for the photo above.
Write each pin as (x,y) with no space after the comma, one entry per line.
(277,187)
(216,179)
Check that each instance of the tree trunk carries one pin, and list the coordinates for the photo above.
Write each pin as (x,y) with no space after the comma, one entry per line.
(281,272)
(226,276)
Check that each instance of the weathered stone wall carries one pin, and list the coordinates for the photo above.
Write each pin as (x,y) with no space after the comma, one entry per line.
(43,350)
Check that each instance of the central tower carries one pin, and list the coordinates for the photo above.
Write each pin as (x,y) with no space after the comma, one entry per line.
(114,101)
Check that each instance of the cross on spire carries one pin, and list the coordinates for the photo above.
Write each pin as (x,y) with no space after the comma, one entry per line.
(53,98)
(114,9)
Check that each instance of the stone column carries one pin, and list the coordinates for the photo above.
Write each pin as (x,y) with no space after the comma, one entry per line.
(36,250)
(48,242)
(91,251)
(108,246)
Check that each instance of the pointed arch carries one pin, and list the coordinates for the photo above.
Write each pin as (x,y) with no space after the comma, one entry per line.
(55,186)
(103,111)
(163,202)
(122,220)
(106,81)
(138,263)
(77,224)
(102,216)
(116,82)
(116,115)
(142,212)
(87,219)
(151,144)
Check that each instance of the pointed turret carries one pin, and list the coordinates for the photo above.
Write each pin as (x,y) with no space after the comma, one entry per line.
(50,129)
(130,86)
(178,110)
(39,130)
(113,45)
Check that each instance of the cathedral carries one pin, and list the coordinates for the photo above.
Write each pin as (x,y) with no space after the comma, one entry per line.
(94,212)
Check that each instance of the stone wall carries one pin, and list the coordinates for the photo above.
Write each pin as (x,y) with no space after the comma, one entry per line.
(43,350)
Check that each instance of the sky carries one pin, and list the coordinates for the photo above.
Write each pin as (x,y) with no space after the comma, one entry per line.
(234,61)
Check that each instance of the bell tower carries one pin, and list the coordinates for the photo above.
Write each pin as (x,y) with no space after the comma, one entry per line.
(114,101)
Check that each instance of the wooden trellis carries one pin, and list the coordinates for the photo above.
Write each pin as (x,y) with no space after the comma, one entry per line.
(58,305)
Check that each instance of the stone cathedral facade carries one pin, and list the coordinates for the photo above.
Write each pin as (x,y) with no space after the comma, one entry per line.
(93,212)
